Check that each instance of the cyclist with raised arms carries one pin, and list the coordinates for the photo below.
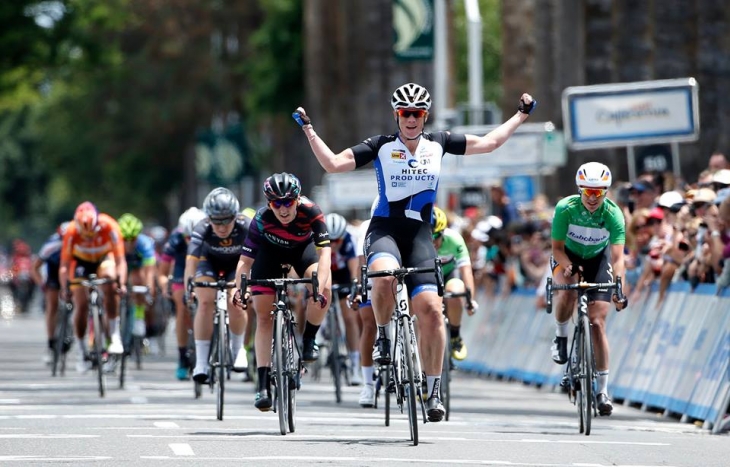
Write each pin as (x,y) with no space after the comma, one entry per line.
(407,166)
(458,276)
(290,230)
(173,259)
(588,236)
(139,250)
(345,267)
(214,248)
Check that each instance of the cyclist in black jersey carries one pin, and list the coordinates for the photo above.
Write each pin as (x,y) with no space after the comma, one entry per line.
(214,248)
(407,164)
(290,230)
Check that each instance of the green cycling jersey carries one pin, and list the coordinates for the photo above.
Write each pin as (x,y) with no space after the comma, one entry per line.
(453,247)
(587,234)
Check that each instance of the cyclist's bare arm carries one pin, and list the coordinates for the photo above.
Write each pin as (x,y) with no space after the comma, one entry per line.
(191,264)
(468,277)
(331,162)
(561,257)
(498,136)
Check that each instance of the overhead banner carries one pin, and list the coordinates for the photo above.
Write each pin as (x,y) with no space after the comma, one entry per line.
(629,114)
(413,29)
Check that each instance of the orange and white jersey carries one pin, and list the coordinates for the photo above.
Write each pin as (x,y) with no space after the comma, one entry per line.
(107,238)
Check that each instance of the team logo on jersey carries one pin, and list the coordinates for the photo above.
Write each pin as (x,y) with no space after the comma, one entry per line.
(413,163)
(226,242)
(398,155)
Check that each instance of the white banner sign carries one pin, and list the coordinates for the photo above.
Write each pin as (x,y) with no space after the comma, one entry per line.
(630,114)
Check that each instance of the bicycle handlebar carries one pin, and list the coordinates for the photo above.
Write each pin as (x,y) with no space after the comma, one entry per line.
(466,294)
(92,281)
(283,282)
(583,286)
(221,284)
(400,273)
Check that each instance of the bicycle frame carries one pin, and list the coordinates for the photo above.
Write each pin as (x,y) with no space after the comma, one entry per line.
(220,358)
(580,368)
(406,374)
(448,364)
(285,372)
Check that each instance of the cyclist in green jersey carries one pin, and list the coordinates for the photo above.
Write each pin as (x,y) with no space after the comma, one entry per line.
(458,276)
(588,236)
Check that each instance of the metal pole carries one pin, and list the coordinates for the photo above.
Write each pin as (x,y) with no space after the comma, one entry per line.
(632,163)
(474,36)
(440,60)
(675,160)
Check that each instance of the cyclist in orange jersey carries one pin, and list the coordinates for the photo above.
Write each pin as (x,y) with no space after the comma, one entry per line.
(93,244)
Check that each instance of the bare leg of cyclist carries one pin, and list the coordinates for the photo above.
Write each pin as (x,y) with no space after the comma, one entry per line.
(367,341)
(51,312)
(238,319)
(352,336)
(263,304)
(597,312)
(183,324)
(203,329)
(383,302)
(80,321)
(427,306)
(315,315)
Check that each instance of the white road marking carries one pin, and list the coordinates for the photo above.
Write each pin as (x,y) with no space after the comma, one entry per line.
(9,401)
(45,436)
(166,425)
(138,400)
(57,458)
(390,460)
(182,449)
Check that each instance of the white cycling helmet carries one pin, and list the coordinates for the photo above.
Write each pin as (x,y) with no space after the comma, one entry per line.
(189,219)
(336,226)
(593,175)
(411,96)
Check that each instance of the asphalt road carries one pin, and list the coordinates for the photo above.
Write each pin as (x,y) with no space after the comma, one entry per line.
(156,420)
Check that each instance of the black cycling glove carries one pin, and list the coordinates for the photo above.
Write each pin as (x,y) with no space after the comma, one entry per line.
(526,108)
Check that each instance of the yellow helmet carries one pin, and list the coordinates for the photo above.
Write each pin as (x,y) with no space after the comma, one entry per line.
(439,220)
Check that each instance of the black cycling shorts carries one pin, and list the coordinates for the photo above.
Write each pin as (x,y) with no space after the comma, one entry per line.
(409,241)
(596,269)
(269,259)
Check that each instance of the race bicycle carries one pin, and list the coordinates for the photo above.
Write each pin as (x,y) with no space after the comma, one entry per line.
(580,373)
(403,373)
(286,364)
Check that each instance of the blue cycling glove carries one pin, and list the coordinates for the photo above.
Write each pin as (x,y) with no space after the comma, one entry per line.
(527,108)
(301,118)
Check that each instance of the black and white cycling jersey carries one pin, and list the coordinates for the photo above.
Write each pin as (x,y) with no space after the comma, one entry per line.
(407,182)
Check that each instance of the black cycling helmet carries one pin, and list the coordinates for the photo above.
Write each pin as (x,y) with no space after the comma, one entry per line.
(221,204)
(282,186)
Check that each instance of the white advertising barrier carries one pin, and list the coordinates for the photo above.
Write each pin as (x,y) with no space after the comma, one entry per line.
(711,383)
(675,356)
(647,373)
(621,330)
(621,379)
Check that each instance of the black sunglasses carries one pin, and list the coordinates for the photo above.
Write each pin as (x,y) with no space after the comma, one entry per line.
(222,220)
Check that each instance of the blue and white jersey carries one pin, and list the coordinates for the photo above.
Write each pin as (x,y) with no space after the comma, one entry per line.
(407,182)
(50,252)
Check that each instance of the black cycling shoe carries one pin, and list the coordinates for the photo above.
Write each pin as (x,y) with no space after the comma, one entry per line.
(381,352)
(263,401)
(605,407)
(201,378)
(560,350)
(310,350)
(435,411)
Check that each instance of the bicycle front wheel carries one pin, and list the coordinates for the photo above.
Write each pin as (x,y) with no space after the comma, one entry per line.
(222,352)
(282,385)
(410,389)
(99,348)
(292,380)
(335,362)
(586,375)
(59,357)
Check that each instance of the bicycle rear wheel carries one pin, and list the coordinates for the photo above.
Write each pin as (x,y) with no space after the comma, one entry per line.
(99,348)
(385,386)
(222,352)
(410,387)
(586,376)
(446,375)
(282,385)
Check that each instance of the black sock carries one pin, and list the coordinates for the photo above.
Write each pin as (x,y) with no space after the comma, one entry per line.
(182,353)
(51,343)
(310,330)
(381,332)
(454,331)
(263,372)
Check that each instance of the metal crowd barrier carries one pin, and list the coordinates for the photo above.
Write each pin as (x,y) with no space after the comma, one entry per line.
(673,357)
